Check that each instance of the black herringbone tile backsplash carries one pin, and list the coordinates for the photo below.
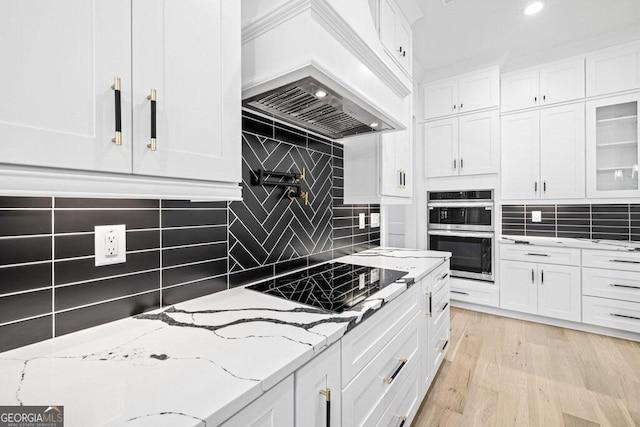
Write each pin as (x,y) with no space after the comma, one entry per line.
(176,250)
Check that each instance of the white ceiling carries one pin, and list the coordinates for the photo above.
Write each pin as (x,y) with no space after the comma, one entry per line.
(495,31)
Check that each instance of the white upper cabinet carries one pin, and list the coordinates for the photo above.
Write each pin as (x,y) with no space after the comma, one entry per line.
(612,146)
(440,98)
(465,93)
(543,153)
(59,61)
(520,153)
(180,50)
(80,97)
(562,159)
(395,34)
(441,148)
(465,145)
(613,70)
(549,84)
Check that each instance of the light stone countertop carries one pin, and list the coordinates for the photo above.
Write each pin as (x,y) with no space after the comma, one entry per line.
(610,245)
(195,363)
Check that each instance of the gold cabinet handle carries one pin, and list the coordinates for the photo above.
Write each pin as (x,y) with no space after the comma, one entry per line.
(153,97)
(327,396)
(117,88)
(393,376)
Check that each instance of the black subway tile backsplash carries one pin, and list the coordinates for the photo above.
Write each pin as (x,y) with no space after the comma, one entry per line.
(75,221)
(22,223)
(87,317)
(205,247)
(26,332)
(21,306)
(583,221)
(25,249)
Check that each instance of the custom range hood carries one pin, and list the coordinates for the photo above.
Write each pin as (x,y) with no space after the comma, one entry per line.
(319,65)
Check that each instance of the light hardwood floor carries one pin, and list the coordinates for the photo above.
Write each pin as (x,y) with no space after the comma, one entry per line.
(507,372)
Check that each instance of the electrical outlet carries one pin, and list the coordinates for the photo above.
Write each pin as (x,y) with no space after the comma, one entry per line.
(361,221)
(110,244)
(375,275)
(375,220)
(363,281)
(536,216)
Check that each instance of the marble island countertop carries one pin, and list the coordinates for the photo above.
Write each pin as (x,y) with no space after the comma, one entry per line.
(611,245)
(195,363)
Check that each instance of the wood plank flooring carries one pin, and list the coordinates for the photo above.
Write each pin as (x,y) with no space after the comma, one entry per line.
(507,372)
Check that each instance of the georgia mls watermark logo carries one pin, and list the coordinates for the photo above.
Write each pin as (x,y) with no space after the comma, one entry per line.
(31,416)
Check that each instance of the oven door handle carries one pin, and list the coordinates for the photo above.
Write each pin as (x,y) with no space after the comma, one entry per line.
(460,204)
(477,234)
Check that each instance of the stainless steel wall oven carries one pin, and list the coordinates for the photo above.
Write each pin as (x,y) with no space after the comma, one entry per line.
(462,222)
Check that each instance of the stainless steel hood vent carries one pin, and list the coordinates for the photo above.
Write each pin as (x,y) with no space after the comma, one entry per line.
(313,106)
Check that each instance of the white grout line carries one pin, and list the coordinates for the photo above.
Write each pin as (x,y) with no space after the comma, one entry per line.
(24,236)
(53,269)
(171,267)
(24,264)
(193,245)
(27,291)
(25,319)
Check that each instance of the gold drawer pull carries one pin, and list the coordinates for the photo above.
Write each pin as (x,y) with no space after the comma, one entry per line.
(393,376)
(446,343)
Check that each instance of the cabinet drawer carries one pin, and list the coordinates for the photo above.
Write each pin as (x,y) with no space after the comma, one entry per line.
(611,313)
(440,311)
(540,254)
(622,285)
(367,397)
(405,405)
(364,342)
(438,347)
(439,277)
(628,261)
(484,293)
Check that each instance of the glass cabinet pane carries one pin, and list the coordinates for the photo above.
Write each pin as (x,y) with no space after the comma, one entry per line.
(617,147)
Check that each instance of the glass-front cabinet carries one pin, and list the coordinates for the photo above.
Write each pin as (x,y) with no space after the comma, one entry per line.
(612,147)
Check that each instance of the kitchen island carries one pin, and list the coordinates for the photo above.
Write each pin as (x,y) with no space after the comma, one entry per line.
(194,363)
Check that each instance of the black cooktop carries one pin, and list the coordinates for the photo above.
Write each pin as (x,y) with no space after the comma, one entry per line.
(335,286)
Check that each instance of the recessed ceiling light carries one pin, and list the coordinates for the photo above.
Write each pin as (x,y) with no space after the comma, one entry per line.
(374,125)
(533,8)
(320,93)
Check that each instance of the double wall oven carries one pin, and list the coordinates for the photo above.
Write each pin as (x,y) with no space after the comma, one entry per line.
(462,222)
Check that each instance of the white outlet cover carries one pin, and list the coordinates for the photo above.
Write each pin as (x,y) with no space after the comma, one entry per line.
(362,281)
(536,216)
(361,221)
(100,242)
(375,220)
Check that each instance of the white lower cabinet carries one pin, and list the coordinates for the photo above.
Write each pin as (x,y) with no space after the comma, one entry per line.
(611,313)
(377,375)
(366,398)
(272,409)
(549,290)
(317,384)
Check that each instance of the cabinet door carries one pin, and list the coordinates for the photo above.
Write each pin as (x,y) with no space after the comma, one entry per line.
(59,60)
(272,409)
(479,143)
(403,40)
(440,98)
(404,162)
(563,81)
(519,90)
(189,52)
(520,153)
(390,174)
(613,70)
(612,147)
(318,390)
(441,148)
(519,286)
(478,90)
(559,292)
(388,25)
(562,145)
